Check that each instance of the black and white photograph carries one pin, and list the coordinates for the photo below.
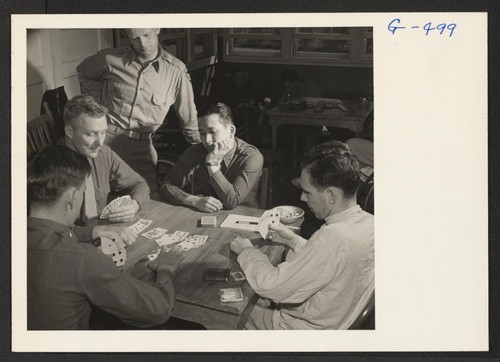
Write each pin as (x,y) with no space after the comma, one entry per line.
(218,177)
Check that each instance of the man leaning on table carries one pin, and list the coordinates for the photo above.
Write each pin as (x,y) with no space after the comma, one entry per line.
(65,277)
(85,132)
(327,280)
(138,84)
(221,172)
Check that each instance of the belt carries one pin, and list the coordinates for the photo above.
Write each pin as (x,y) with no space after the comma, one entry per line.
(129,133)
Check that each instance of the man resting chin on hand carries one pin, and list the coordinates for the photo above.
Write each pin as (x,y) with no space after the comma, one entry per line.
(220,173)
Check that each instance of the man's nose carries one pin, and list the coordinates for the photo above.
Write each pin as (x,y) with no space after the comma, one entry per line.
(100,139)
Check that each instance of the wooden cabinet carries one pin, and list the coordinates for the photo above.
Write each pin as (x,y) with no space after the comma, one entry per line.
(336,46)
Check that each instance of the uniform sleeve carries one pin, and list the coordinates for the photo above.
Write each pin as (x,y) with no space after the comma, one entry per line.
(232,194)
(90,71)
(133,301)
(294,280)
(172,189)
(124,179)
(186,110)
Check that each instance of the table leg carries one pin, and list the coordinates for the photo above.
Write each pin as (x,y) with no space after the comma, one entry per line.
(274,136)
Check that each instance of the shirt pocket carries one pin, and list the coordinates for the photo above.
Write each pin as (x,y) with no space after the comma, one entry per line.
(159,106)
(120,95)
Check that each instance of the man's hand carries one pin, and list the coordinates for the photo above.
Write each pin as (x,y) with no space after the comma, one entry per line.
(218,151)
(239,244)
(208,204)
(123,232)
(286,236)
(170,259)
(124,213)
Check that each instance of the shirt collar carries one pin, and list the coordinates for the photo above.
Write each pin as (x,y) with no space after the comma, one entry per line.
(342,216)
(50,225)
(154,63)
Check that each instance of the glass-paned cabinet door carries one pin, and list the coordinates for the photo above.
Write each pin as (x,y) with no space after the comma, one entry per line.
(332,42)
(260,42)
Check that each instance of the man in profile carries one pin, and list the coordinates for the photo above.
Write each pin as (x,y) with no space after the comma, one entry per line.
(220,173)
(85,132)
(326,281)
(138,84)
(65,277)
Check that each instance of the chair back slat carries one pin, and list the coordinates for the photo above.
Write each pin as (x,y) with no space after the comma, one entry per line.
(40,132)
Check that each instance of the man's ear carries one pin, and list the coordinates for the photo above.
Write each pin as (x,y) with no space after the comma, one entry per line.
(332,195)
(68,131)
(232,130)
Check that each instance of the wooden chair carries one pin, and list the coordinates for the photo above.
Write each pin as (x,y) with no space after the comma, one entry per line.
(366,320)
(41,132)
(165,163)
(263,189)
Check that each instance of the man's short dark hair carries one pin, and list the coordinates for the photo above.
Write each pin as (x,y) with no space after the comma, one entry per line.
(53,171)
(332,164)
(222,109)
(83,105)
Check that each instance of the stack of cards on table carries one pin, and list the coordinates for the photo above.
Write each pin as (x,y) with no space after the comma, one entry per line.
(230,295)
(116,203)
(114,247)
(154,255)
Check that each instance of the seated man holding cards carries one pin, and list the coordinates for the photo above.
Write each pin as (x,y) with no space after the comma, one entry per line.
(65,277)
(327,280)
(221,172)
(85,130)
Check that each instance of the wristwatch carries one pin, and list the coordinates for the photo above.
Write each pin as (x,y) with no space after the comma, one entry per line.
(212,163)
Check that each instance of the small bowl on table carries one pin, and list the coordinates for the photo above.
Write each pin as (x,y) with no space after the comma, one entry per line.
(289,214)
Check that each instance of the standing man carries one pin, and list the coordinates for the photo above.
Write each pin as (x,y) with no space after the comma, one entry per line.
(221,172)
(138,84)
(327,280)
(65,277)
(85,132)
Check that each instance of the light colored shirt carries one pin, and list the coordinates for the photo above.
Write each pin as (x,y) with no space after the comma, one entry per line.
(234,184)
(325,284)
(138,97)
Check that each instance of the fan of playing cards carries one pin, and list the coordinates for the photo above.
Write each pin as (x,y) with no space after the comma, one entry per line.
(118,202)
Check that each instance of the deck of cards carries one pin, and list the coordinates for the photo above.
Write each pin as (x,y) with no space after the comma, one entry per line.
(230,295)
(118,202)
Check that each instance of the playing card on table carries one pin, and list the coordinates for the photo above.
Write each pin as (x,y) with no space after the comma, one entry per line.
(181,234)
(197,240)
(140,225)
(167,239)
(237,276)
(153,256)
(154,233)
(187,245)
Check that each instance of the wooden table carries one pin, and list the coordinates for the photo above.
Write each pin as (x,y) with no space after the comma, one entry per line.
(198,300)
(352,119)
